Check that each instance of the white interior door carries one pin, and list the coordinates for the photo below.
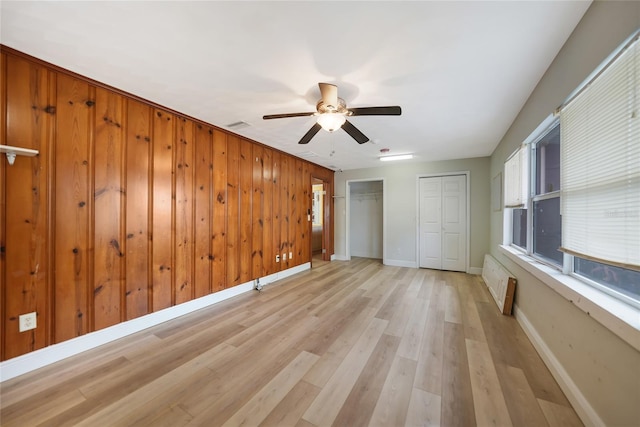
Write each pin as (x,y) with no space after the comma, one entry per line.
(443,222)
(431,222)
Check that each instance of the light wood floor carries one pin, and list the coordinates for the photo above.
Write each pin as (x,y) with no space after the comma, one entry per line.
(346,344)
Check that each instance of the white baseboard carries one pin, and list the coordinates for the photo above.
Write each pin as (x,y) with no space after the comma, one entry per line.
(339,257)
(365,255)
(581,405)
(400,263)
(37,359)
(475,270)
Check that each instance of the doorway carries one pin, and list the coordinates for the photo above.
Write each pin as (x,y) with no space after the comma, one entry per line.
(365,219)
(320,220)
(443,222)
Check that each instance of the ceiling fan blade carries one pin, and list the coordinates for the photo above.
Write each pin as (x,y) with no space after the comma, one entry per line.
(376,111)
(310,134)
(283,116)
(354,132)
(329,95)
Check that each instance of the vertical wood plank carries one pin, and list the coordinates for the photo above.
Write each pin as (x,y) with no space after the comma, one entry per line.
(203,207)
(219,226)
(183,173)
(284,212)
(276,209)
(293,213)
(305,211)
(138,209)
(72,199)
(163,231)
(246,178)
(109,243)
(257,206)
(24,211)
(233,211)
(267,213)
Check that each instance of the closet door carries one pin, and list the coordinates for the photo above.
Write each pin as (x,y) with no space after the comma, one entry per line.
(431,222)
(443,222)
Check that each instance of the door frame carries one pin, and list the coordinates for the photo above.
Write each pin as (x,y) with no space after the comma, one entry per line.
(468,213)
(326,219)
(348,216)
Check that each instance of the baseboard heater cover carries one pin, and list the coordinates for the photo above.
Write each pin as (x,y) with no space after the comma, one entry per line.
(501,283)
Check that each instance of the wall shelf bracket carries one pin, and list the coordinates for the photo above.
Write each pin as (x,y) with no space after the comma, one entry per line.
(12,152)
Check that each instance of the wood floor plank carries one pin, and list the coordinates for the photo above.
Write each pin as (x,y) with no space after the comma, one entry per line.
(45,410)
(424,409)
(488,399)
(128,411)
(457,398)
(293,405)
(414,332)
(471,319)
(559,415)
(402,312)
(431,359)
(393,402)
(358,407)
(452,305)
(325,407)
(320,373)
(263,402)
(309,351)
(510,346)
(519,397)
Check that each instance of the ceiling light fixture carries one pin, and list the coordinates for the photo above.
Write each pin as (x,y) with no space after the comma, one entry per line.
(398,157)
(331,121)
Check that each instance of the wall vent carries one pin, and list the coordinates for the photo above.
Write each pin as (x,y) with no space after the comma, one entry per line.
(307,154)
(238,125)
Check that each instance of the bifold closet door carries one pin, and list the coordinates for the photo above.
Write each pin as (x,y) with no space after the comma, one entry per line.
(443,222)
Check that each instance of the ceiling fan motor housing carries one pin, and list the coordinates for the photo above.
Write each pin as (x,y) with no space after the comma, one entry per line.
(341,108)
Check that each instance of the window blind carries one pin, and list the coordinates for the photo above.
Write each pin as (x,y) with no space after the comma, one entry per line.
(600,158)
(515,191)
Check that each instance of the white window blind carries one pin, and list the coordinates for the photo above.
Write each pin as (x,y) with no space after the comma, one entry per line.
(600,157)
(515,187)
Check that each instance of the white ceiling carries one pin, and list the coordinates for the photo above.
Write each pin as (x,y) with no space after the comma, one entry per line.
(461,71)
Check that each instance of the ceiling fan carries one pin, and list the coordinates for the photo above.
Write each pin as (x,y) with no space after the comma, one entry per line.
(332,113)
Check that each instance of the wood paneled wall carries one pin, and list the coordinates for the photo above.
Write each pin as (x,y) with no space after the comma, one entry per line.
(129,207)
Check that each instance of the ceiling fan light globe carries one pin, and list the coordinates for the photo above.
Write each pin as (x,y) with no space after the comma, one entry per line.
(331,121)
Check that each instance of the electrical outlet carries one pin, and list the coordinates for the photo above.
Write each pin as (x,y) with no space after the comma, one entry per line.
(284,256)
(27,321)
(277,258)
(290,255)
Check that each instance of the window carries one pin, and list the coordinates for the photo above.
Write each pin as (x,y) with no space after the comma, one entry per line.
(601,176)
(583,213)
(545,200)
(515,195)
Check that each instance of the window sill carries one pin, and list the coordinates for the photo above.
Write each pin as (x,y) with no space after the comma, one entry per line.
(620,318)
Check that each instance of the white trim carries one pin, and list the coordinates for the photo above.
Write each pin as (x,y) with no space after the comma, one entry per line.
(620,318)
(400,263)
(37,359)
(475,270)
(347,256)
(581,405)
(339,257)
(467,175)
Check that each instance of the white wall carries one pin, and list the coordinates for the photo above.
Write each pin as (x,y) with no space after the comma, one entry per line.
(365,211)
(601,367)
(401,207)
